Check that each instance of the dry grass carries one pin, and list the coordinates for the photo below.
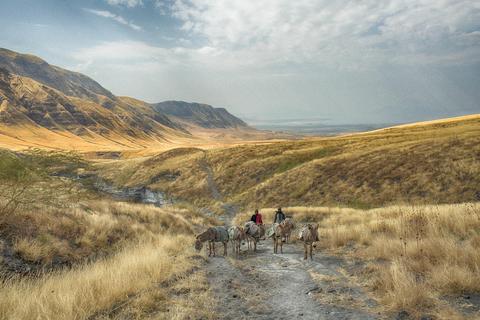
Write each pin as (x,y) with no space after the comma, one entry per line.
(417,254)
(138,278)
(423,164)
(51,238)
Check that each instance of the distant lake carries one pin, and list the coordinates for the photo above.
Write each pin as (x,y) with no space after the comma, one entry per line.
(315,127)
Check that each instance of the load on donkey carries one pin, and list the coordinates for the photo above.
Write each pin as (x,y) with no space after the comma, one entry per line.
(254,233)
(280,231)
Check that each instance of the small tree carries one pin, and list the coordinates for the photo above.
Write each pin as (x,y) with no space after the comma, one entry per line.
(38,178)
(15,181)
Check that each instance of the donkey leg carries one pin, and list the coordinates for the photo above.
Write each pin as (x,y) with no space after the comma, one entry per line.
(213,246)
(225,249)
(311,251)
(305,251)
(281,245)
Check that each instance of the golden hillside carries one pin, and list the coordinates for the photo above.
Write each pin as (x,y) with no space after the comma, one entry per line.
(422,163)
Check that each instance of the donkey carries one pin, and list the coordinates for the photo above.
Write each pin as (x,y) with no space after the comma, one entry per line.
(254,233)
(212,235)
(309,234)
(277,232)
(289,226)
(237,236)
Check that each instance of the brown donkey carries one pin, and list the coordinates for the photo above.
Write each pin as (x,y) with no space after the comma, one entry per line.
(212,235)
(309,234)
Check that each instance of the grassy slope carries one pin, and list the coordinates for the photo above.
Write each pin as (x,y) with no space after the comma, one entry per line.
(433,163)
(78,258)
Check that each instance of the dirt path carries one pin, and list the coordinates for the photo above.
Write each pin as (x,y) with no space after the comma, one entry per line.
(229,208)
(210,178)
(266,286)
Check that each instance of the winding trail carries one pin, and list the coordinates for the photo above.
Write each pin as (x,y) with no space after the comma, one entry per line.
(264,285)
(210,177)
(230,209)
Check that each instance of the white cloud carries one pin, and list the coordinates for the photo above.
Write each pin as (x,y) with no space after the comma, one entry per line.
(127,3)
(115,17)
(350,60)
(120,51)
(343,32)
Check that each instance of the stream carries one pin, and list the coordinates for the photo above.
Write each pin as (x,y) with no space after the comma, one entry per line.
(134,194)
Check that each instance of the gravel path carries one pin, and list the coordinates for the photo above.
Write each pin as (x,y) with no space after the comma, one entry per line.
(266,286)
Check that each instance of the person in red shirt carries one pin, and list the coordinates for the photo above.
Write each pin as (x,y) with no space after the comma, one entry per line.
(257,218)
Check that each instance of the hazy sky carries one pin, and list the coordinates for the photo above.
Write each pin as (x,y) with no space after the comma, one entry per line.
(351,61)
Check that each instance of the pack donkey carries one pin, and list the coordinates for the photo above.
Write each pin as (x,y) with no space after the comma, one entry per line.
(289,226)
(309,234)
(254,233)
(236,235)
(212,235)
(277,232)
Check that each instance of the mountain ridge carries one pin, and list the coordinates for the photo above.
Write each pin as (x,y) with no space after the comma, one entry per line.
(36,94)
(200,114)
(69,82)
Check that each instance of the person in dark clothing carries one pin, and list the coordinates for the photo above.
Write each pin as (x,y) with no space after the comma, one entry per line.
(254,217)
(257,218)
(279,216)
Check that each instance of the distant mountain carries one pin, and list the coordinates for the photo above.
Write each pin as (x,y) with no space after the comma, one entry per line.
(35,94)
(202,115)
(24,101)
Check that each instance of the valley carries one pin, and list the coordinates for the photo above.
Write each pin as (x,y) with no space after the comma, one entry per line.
(101,199)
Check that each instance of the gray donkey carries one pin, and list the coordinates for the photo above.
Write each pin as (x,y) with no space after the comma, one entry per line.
(212,235)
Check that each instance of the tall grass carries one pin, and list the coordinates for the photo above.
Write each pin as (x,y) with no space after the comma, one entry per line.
(95,288)
(47,236)
(124,260)
(417,255)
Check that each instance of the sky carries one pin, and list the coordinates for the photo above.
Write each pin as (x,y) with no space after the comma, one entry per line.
(342,61)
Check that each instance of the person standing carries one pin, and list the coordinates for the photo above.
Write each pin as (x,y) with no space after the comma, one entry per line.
(279,216)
